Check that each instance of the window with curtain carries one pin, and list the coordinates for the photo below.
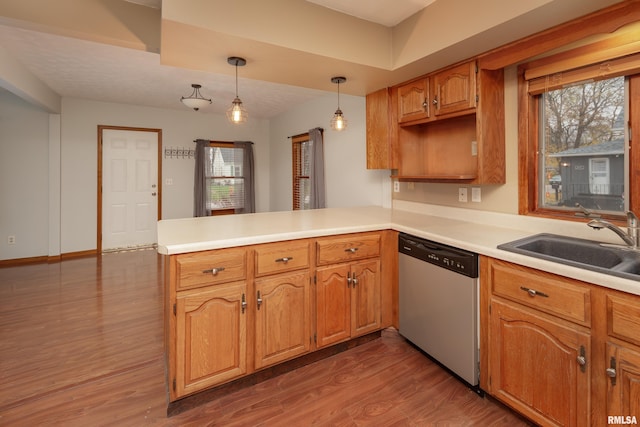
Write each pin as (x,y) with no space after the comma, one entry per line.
(575,147)
(225,178)
(301,155)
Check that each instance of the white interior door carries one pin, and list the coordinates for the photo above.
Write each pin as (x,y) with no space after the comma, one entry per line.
(129,188)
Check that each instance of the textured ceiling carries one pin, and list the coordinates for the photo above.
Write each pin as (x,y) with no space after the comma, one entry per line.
(82,69)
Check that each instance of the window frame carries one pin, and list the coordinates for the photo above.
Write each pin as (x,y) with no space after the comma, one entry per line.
(581,67)
(223,144)
(296,150)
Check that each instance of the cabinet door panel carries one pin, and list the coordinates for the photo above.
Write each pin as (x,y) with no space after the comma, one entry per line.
(413,101)
(534,368)
(283,319)
(365,305)
(624,393)
(211,337)
(333,305)
(455,89)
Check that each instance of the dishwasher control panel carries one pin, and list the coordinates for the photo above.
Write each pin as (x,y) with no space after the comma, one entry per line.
(451,258)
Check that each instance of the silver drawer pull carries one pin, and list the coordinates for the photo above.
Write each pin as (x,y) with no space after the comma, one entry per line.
(533,292)
(351,250)
(213,271)
(284,259)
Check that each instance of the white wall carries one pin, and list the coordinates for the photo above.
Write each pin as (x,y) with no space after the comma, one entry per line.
(348,182)
(24,188)
(48,178)
(80,119)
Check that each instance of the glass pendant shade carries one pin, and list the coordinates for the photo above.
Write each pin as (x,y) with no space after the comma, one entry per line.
(237,113)
(338,122)
(195,100)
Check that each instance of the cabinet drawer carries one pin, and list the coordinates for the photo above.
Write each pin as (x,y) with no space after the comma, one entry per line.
(623,318)
(211,267)
(280,257)
(332,251)
(543,291)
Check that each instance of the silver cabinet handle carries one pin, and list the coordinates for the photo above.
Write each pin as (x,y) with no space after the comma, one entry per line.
(533,292)
(611,371)
(354,280)
(285,259)
(582,359)
(259,300)
(348,280)
(244,303)
(351,250)
(213,271)
(435,101)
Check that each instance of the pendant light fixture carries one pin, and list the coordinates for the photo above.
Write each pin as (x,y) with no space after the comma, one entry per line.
(338,122)
(195,100)
(236,113)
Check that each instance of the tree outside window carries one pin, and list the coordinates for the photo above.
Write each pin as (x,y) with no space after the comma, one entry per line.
(582,146)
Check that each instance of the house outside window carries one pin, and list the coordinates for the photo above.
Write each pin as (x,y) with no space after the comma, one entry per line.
(582,146)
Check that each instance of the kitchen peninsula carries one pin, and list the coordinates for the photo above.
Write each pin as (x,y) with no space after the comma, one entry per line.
(274,286)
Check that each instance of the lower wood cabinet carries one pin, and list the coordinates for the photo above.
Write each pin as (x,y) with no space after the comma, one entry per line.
(283,318)
(559,351)
(232,312)
(348,301)
(211,337)
(538,365)
(623,386)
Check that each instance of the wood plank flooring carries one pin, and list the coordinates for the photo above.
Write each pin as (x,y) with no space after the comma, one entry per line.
(81,345)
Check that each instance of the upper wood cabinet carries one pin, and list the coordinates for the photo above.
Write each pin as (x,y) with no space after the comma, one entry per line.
(464,139)
(414,100)
(447,126)
(382,129)
(454,90)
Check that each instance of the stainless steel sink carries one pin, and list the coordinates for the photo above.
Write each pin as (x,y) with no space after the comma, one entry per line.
(589,254)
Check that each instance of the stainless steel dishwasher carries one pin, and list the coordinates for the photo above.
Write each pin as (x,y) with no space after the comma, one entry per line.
(438,303)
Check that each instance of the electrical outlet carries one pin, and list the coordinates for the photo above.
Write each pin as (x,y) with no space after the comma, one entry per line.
(11,240)
(396,186)
(476,194)
(462,194)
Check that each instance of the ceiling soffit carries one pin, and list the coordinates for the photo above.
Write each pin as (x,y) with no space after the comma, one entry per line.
(298,42)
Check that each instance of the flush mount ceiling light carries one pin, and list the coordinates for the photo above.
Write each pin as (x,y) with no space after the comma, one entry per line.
(338,122)
(236,113)
(195,100)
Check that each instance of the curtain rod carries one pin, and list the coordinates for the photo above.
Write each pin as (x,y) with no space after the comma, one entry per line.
(229,142)
(303,133)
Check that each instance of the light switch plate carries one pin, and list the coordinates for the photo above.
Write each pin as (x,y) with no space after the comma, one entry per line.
(476,194)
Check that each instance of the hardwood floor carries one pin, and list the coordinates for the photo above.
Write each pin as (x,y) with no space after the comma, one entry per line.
(81,345)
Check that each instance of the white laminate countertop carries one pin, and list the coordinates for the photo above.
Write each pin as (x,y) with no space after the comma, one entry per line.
(476,231)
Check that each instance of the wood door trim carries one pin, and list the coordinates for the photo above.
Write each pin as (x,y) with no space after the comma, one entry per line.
(101,128)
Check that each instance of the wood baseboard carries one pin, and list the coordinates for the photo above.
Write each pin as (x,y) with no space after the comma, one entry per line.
(47,259)
(194,400)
